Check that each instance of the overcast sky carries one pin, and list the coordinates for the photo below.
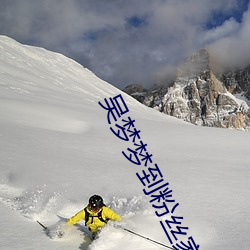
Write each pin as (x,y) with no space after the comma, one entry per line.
(131,41)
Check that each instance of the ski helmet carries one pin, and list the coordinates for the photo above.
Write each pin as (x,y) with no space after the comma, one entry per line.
(95,202)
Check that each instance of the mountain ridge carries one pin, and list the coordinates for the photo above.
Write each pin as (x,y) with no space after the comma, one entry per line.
(201,95)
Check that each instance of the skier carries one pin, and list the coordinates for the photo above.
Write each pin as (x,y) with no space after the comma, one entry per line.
(95,214)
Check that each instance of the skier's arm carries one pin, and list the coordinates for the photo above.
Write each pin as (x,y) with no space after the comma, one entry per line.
(110,214)
(77,217)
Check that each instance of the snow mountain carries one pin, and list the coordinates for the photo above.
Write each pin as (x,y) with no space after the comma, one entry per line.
(201,95)
(57,149)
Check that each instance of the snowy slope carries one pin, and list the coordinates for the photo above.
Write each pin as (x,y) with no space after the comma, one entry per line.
(57,150)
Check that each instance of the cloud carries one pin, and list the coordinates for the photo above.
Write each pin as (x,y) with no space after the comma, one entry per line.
(228,28)
(233,48)
(125,42)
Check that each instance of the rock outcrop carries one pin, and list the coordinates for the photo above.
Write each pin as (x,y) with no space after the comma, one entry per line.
(200,96)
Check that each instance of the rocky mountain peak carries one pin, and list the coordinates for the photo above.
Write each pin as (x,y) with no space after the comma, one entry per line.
(200,96)
(196,64)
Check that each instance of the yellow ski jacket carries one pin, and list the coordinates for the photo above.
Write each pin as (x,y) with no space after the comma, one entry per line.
(94,223)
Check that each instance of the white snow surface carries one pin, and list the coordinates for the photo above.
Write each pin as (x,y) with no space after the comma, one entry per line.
(57,149)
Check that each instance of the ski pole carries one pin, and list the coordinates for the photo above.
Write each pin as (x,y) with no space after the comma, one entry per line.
(159,243)
(45,228)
